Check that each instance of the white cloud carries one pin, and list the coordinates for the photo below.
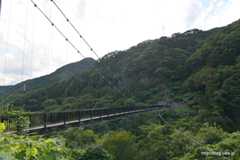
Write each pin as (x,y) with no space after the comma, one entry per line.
(217,14)
(107,24)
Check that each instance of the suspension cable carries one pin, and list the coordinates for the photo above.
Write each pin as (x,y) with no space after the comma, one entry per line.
(25,49)
(0,6)
(63,35)
(75,28)
(57,28)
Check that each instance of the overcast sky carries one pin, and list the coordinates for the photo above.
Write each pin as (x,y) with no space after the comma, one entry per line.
(30,47)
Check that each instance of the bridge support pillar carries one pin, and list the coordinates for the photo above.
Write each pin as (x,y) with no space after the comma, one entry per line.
(64,118)
(45,121)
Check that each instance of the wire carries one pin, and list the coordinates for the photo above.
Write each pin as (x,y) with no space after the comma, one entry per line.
(0,6)
(75,28)
(63,35)
(7,41)
(194,140)
(25,50)
(57,29)
(80,35)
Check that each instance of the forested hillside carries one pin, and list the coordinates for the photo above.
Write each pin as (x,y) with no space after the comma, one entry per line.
(141,74)
(178,135)
(200,68)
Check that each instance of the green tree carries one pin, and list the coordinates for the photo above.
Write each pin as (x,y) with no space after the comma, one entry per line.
(77,138)
(120,144)
(96,153)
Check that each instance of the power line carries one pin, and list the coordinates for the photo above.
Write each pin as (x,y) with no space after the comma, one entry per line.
(75,28)
(57,28)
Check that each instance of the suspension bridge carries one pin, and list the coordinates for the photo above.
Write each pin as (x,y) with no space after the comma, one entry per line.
(42,121)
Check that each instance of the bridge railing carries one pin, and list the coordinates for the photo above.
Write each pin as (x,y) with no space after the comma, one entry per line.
(9,122)
(44,120)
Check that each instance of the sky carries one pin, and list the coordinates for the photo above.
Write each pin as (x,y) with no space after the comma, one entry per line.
(30,47)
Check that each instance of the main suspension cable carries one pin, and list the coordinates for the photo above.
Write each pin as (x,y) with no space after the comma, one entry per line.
(75,28)
(63,35)
(57,28)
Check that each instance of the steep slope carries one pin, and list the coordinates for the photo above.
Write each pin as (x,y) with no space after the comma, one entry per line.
(63,74)
(145,73)
(198,67)
(214,73)
(4,89)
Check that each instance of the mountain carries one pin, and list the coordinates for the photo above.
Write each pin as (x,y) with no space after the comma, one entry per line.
(214,75)
(144,73)
(4,89)
(61,75)
(198,67)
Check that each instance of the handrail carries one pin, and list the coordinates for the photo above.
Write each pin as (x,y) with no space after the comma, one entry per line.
(44,120)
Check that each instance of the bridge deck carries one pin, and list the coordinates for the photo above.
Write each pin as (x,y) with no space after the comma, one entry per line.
(41,122)
(84,120)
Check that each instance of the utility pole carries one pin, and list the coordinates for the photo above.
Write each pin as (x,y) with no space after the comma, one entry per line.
(24,87)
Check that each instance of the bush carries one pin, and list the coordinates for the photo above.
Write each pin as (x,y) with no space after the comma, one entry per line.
(2,127)
(120,144)
(211,135)
(22,122)
(96,153)
(77,138)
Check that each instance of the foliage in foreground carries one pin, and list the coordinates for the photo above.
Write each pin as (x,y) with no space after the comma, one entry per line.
(181,139)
